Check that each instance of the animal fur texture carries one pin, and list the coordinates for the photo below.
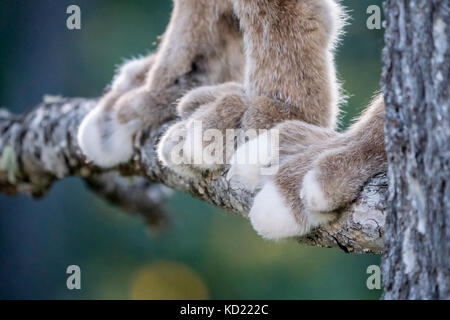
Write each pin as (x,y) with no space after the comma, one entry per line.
(248,65)
(325,171)
(289,74)
(201,46)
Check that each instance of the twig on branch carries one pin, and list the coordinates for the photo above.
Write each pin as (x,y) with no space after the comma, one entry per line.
(40,147)
(134,195)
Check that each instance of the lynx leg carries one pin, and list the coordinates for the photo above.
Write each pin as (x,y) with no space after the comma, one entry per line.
(199,47)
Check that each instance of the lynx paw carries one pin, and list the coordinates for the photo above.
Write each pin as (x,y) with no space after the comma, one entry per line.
(253,161)
(201,96)
(273,217)
(104,139)
(199,140)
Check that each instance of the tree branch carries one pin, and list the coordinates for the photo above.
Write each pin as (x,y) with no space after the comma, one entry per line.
(40,147)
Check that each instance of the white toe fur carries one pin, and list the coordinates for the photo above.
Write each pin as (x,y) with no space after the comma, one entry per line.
(254,161)
(270,216)
(104,140)
(312,194)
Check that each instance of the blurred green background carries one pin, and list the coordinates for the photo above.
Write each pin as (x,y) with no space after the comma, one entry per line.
(205,253)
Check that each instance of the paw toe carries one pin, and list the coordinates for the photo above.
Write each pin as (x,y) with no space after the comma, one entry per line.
(253,162)
(271,217)
(313,195)
(104,139)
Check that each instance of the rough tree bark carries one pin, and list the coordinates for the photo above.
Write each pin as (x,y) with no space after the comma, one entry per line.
(416,262)
(40,147)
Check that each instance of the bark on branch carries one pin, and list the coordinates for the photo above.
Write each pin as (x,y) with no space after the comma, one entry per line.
(40,147)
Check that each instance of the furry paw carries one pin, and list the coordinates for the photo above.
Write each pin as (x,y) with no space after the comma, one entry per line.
(209,135)
(201,96)
(104,139)
(182,148)
(274,219)
(199,141)
(106,133)
(255,161)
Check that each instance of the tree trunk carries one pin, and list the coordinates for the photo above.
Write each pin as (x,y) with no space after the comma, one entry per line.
(416,262)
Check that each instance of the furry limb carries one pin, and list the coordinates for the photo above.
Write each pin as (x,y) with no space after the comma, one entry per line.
(41,146)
